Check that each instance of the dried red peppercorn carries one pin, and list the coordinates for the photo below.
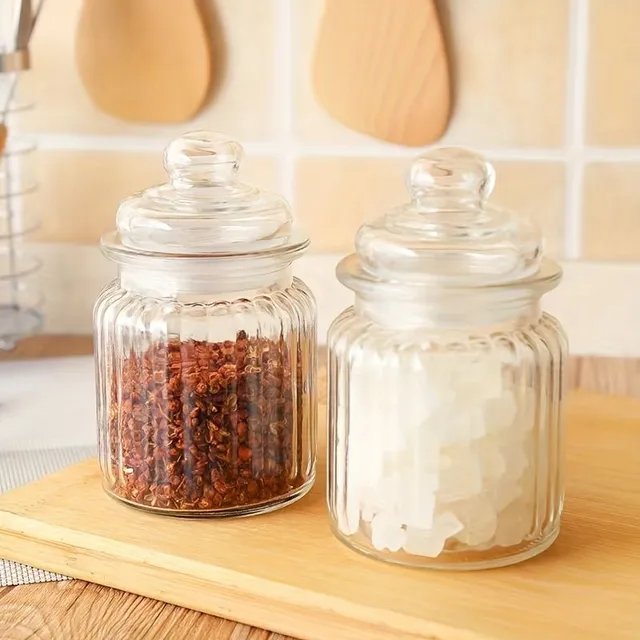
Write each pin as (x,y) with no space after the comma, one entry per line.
(202,426)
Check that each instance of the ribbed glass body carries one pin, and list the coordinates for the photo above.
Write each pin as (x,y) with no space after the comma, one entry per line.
(205,343)
(446,431)
(206,404)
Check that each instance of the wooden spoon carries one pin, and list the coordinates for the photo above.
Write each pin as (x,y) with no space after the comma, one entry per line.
(381,69)
(3,137)
(144,60)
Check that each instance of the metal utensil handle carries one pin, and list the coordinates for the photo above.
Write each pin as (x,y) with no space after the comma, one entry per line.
(19,60)
(24,22)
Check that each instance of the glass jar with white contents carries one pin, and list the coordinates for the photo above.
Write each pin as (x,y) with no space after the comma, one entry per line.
(446,380)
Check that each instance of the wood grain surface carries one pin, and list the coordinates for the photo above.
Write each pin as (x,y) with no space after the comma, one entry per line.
(3,137)
(92,612)
(144,61)
(381,69)
(287,572)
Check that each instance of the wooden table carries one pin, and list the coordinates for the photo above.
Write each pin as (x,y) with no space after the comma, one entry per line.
(100,613)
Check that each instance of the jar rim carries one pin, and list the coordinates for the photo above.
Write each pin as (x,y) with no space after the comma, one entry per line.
(351,273)
(113,248)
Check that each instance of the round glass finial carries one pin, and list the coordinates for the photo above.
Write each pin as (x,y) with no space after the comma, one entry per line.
(203,156)
(451,169)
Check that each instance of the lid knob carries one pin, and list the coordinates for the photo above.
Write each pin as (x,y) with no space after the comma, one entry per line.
(451,171)
(449,234)
(202,158)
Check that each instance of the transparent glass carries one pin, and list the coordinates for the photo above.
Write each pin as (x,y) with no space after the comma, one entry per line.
(458,463)
(21,300)
(446,425)
(206,368)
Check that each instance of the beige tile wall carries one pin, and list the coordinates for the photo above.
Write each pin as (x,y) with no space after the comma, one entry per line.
(613,98)
(547,88)
(80,190)
(362,188)
(612,211)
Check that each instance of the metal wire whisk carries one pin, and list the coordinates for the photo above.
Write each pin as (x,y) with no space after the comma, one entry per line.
(20,301)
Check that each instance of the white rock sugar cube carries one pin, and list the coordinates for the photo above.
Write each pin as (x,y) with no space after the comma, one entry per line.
(514,524)
(477,423)
(383,496)
(387,532)
(425,446)
(416,508)
(502,493)
(430,542)
(458,422)
(516,459)
(479,377)
(368,422)
(492,461)
(368,511)
(461,474)
(479,520)
(500,412)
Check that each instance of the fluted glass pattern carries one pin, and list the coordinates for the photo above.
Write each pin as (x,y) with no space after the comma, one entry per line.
(445,449)
(206,408)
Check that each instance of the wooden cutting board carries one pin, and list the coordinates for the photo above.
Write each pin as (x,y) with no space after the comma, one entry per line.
(381,69)
(145,61)
(286,572)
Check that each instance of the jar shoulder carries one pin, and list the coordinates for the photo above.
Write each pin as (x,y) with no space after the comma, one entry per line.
(298,291)
(352,328)
(122,312)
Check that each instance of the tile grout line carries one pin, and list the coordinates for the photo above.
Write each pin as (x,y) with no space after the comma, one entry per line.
(74,142)
(577,68)
(285,146)
(380,150)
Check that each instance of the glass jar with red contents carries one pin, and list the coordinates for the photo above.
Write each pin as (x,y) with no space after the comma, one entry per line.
(205,344)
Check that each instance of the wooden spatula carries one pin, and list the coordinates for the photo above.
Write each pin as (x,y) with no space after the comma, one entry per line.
(3,137)
(381,69)
(144,60)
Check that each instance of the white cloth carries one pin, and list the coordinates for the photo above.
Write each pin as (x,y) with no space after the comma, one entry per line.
(47,422)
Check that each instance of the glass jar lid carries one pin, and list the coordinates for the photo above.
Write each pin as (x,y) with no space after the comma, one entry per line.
(447,234)
(204,210)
